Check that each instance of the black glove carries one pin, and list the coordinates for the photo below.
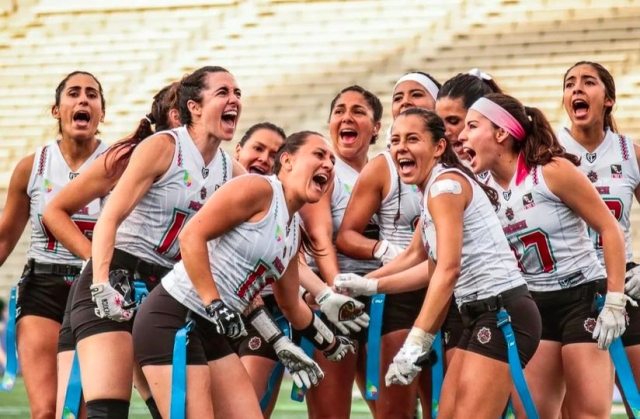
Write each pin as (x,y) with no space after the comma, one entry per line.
(227,320)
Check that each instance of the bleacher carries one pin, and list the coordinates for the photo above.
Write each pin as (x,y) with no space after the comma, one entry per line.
(291,57)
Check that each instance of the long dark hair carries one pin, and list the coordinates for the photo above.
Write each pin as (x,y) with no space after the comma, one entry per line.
(609,90)
(467,87)
(259,126)
(291,145)
(163,102)
(434,125)
(540,145)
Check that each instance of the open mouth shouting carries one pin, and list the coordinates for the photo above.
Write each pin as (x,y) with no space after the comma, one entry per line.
(471,154)
(580,108)
(81,119)
(348,136)
(406,166)
(257,169)
(230,118)
(320,182)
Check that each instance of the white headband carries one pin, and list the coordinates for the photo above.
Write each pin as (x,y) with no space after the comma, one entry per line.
(425,81)
(479,74)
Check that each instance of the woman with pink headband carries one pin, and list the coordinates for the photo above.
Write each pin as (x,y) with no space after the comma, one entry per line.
(544,203)
(379,192)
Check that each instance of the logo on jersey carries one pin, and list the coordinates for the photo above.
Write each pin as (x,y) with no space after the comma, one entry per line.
(509,214)
(414,189)
(278,234)
(589,324)
(205,172)
(203,193)
(195,206)
(527,201)
(483,175)
(187,179)
(348,188)
(603,190)
(616,171)
(591,157)
(277,263)
(73,175)
(255,343)
(48,187)
(506,194)
(593,176)
(484,335)
(414,223)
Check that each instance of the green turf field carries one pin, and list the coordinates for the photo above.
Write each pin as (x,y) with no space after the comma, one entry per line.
(14,405)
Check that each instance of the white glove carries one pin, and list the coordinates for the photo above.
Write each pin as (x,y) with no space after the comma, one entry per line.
(403,369)
(344,312)
(355,285)
(109,303)
(612,320)
(632,285)
(342,346)
(387,251)
(304,370)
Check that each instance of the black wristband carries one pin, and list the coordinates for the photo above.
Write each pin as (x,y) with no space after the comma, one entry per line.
(318,333)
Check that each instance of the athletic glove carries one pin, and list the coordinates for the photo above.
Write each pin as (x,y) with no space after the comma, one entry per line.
(344,312)
(612,320)
(416,347)
(304,370)
(113,299)
(227,320)
(387,251)
(355,285)
(632,285)
(342,346)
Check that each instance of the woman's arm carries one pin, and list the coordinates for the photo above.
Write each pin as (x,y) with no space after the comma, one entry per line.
(288,298)
(413,255)
(569,184)
(364,202)
(250,197)
(319,225)
(447,211)
(149,161)
(93,183)
(15,214)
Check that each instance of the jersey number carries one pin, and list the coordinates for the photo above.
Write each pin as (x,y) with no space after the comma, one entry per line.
(249,283)
(536,241)
(170,236)
(85,227)
(616,207)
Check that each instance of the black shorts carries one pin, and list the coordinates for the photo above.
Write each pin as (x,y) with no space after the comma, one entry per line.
(401,310)
(66,342)
(43,290)
(253,344)
(631,336)
(84,322)
(452,327)
(156,325)
(483,336)
(569,315)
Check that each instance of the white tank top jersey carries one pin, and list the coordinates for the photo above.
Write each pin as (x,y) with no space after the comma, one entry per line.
(613,170)
(151,231)
(49,174)
(246,259)
(549,240)
(488,267)
(344,180)
(405,197)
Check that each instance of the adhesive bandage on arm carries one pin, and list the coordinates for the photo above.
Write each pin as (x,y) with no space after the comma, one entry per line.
(445,186)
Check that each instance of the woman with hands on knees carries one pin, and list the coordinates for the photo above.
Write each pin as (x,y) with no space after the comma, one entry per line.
(545,202)
(228,258)
(469,258)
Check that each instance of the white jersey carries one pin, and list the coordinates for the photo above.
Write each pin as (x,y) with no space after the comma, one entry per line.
(151,231)
(613,170)
(246,259)
(549,240)
(399,211)
(49,174)
(345,179)
(488,267)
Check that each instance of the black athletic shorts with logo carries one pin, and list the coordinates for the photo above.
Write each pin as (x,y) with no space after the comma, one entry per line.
(43,290)
(84,322)
(401,310)
(482,334)
(452,327)
(157,322)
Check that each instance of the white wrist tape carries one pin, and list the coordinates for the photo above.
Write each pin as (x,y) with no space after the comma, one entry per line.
(382,249)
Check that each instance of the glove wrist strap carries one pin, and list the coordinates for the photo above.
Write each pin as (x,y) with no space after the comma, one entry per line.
(318,333)
(265,324)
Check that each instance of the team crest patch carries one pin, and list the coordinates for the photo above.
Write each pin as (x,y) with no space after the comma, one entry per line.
(509,214)
(203,193)
(616,171)
(205,172)
(73,175)
(348,311)
(484,335)
(527,201)
(590,324)
(593,176)
(506,194)
(255,343)
(591,157)
(483,175)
